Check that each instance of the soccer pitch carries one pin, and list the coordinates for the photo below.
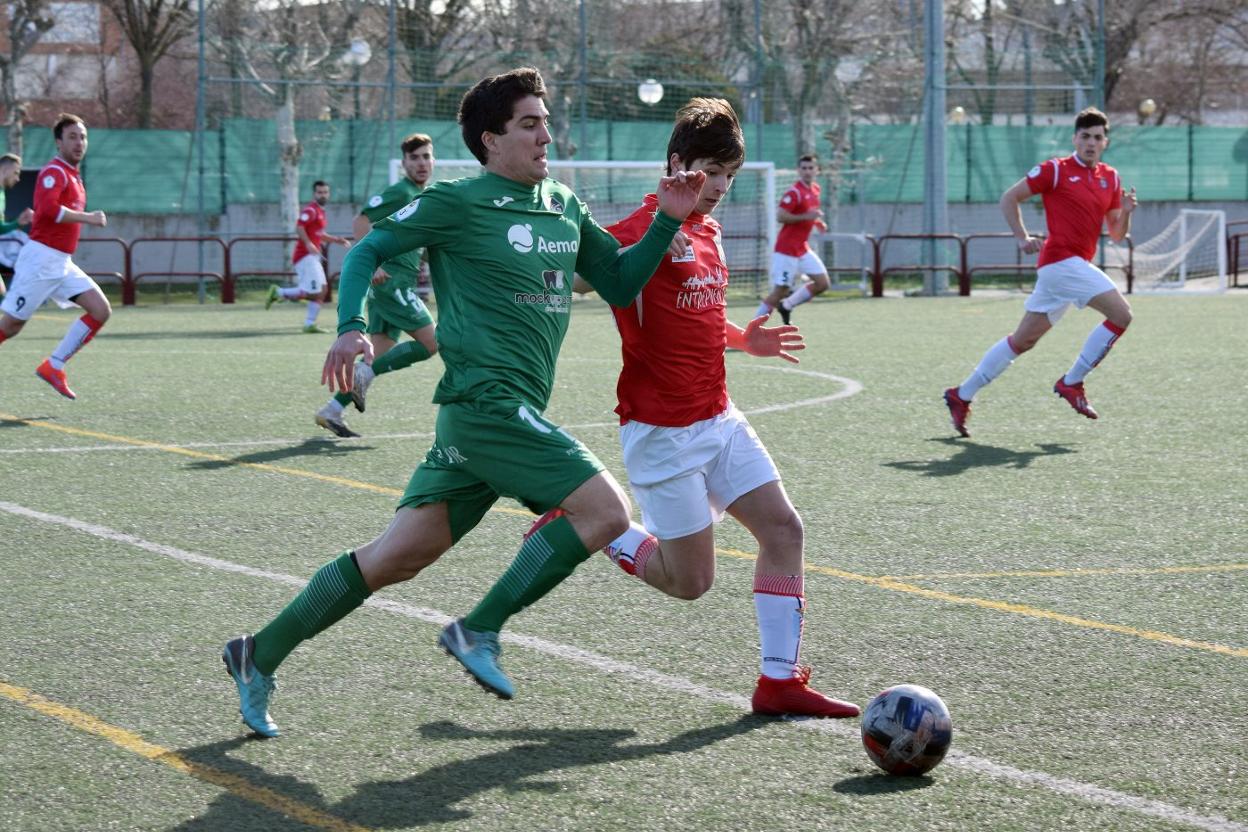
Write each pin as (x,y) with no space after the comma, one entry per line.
(1076,591)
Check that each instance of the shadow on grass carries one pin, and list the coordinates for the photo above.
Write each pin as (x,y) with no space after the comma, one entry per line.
(319,447)
(971,455)
(431,796)
(20,422)
(881,783)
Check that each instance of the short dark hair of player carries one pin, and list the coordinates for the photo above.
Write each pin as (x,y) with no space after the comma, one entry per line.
(490,104)
(1091,117)
(64,120)
(319,183)
(11,159)
(415,142)
(808,157)
(707,128)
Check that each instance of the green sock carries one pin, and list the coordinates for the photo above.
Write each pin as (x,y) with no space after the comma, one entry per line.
(400,356)
(343,399)
(542,563)
(336,589)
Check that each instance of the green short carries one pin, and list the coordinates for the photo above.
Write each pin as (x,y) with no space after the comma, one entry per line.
(496,447)
(395,308)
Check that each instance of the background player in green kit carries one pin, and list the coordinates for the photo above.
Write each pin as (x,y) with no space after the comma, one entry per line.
(393,305)
(503,248)
(10,173)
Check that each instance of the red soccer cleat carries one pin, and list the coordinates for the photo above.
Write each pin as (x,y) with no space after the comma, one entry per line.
(56,378)
(959,411)
(1074,396)
(793,697)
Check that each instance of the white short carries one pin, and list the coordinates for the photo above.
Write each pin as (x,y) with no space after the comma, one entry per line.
(1070,281)
(785,268)
(310,274)
(43,273)
(684,478)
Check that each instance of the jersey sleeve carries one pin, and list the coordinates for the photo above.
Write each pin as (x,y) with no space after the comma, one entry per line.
(379,206)
(1043,177)
(632,228)
(306,218)
(1115,198)
(434,218)
(791,201)
(619,276)
(48,190)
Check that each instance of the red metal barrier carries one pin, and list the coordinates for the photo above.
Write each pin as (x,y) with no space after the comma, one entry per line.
(224,276)
(1234,248)
(877,279)
(123,275)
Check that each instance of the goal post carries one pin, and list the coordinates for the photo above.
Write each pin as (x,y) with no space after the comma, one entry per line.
(1188,255)
(614,189)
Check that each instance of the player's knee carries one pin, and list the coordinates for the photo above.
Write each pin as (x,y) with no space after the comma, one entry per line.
(691,587)
(1123,317)
(11,326)
(819,285)
(1022,343)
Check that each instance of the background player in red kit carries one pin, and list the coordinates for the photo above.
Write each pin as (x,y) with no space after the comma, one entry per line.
(690,454)
(799,214)
(1080,193)
(311,283)
(44,269)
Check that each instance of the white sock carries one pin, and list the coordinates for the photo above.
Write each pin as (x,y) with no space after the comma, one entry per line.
(779,604)
(290,292)
(631,550)
(797,298)
(314,309)
(79,333)
(763,309)
(999,356)
(1099,342)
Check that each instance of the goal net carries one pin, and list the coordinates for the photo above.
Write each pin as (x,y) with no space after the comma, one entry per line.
(615,189)
(1189,255)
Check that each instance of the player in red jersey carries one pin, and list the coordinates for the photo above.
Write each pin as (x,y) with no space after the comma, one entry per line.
(311,284)
(799,214)
(1080,194)
(691,454)
(44,268)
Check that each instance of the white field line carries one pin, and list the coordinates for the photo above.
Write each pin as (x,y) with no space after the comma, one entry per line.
(850,387)
(997,771)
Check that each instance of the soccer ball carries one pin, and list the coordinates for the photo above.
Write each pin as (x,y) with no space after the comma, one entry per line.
(906,730)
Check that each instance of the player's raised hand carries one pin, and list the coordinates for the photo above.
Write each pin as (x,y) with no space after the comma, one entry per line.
(339,371)
(772,341)
(1129,200)
(679,246)
(680,192)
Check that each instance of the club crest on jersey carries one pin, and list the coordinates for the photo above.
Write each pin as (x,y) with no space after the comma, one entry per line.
(48,181)
(1104,184)
(556,204)
(374,200)
(1034,172)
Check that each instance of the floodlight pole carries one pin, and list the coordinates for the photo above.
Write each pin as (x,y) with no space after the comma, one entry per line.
(1099,85)
(201,126)
(935,216)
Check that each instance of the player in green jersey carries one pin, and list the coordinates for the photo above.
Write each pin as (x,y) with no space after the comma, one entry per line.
(394,307)
(503,248)
(10,173)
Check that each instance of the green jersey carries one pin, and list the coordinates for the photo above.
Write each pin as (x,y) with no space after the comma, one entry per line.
(404,270)
(5,227)
(502,256)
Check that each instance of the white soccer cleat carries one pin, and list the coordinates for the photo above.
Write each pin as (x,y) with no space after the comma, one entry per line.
(332,421)
(364,376)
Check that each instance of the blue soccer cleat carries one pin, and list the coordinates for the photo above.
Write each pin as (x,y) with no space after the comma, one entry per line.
(254,688)
(478,653)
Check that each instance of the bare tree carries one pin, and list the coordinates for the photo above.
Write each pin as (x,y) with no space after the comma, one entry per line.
(434,38)
(152,27)
(288,41)
(28,20)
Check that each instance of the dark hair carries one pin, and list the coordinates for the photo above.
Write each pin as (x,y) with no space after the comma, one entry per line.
(706,128)
(808,157)
(489,105)
(415,141)
(318,183)
(1091,117)
(64,120)
(11,157)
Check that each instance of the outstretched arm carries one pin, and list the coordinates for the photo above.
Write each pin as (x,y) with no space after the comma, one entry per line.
(1011,202)
(361,261)
(765,341)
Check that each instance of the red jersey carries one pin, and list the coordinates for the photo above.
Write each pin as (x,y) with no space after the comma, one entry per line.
(1076,200)
(674,332)
(799,199)
(58,187)
(312,221)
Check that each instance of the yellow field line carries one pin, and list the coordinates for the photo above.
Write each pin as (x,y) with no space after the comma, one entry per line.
(132,742)
(883,582)
(1075,573)
(1012,608)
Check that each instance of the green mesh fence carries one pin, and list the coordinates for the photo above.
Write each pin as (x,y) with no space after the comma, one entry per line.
(158,171)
